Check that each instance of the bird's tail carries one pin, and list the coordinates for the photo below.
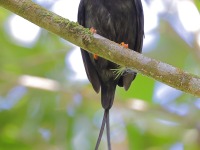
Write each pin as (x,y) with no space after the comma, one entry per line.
(107,95)
(107,98)
(105,121)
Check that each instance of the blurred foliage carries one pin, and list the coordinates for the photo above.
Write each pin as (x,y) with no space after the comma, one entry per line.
(69,118)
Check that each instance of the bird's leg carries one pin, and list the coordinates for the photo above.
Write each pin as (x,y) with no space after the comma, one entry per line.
(105,121)
(93,30)
(124,45)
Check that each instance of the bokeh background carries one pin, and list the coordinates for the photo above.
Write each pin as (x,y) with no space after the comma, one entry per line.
(47,103)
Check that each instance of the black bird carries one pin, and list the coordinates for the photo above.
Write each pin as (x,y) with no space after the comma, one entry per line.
(119,21)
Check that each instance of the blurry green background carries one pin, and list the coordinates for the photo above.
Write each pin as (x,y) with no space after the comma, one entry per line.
(45,105)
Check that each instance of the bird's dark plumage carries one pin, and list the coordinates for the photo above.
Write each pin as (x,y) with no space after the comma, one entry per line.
(119,21)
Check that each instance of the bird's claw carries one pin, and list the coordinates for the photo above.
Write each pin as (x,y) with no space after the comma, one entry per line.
(95,56)
(93,30)
(124,45)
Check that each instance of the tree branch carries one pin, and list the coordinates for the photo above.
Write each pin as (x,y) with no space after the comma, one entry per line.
(105,48)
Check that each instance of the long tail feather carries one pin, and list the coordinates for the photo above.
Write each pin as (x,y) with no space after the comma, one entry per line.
(101,130)
(108,130)
(105,121)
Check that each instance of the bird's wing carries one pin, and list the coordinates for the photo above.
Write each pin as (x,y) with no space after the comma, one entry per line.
(89,67)
(128,78)
(140,25)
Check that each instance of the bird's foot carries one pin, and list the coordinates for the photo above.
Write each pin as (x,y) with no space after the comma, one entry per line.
(124,45)
(95,56)
(93,30)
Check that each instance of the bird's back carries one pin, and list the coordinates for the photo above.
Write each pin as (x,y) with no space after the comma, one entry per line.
(115,20)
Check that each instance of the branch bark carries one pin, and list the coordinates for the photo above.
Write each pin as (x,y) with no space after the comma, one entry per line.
(105,48)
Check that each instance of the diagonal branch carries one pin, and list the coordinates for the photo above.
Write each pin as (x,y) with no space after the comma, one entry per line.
(105,48)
